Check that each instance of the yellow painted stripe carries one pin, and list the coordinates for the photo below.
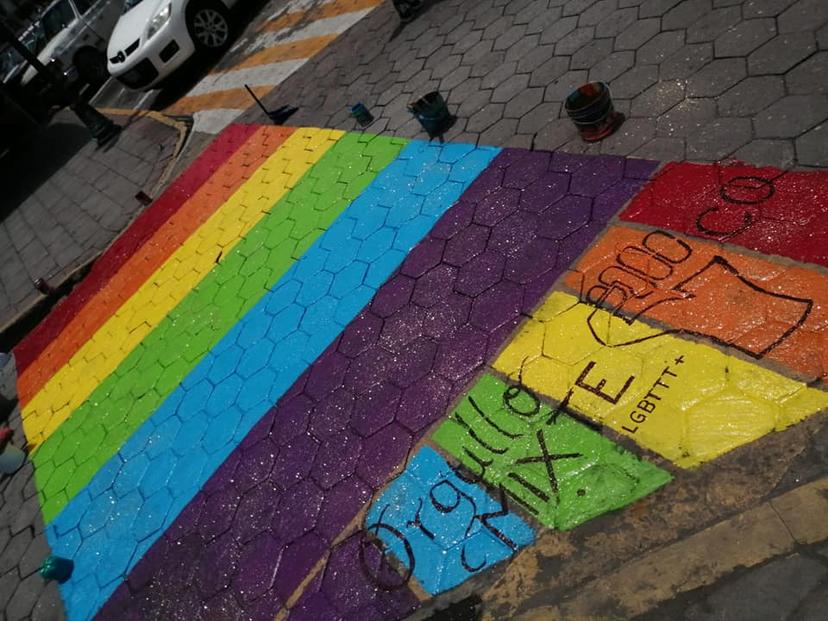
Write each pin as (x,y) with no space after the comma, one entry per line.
(295,50)
(330,9)
(231,99)
(163,291)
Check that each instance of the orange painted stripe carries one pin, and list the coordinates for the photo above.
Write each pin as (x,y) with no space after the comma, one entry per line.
(330,9)
(232,99)
(152,255)
(295,50)
(770,311)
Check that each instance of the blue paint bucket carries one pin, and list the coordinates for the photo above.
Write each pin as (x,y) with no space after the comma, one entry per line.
(362,115)
(590,108)
(432,113)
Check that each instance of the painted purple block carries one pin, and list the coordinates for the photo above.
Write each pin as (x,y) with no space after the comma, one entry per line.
(350,421)
(635,168)
(349,586)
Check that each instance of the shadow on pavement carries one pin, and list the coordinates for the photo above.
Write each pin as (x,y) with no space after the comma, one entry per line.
(24,169)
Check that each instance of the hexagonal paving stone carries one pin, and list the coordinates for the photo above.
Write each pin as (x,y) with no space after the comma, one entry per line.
(745,37)
(716,77)
(791,116)
(781,53)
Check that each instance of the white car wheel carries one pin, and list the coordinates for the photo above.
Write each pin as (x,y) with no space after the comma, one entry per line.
(209,27)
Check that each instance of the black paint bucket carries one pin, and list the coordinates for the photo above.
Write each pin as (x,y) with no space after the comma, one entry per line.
(362,115)
(432,113)
(590,108)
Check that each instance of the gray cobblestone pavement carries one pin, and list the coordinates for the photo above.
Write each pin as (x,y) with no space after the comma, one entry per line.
(793,587)
(65,201)
(23,546)
(698,79)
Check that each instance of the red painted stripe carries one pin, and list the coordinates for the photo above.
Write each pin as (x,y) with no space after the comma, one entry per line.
(142,229)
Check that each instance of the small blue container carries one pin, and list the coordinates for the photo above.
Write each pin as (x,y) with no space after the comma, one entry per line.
(57,568)
(362,115)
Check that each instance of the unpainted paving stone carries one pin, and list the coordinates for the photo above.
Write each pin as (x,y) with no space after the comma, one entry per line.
(509,38)
(455,78)
(635,81)
(751,95)
(715,78)
(745,37)
(822,37)
(499,133)
(781,53)
(685,14)
(779,153)
(488,63)
(574,41)
(536,57)
(616,22)
(558,30)
(662,149)
(485,117)
(522,47)
(555,134)
(803,15)
(597,12)
(510,88)
(564,85)
(549,71)
(499,75)
(686,61)
(539,117)
(660,47)
(655,8)
(657,99)
(591,53)
(467,42)
(632,135)
(718,139)
(712,24)
(612,66)
(25,597)
(814,605)
(791,116)
(637,34)
(539,25)
(772,591)
(810,76)
(764,8)
(576,7)
(812,146)
(686,117)
(523,102)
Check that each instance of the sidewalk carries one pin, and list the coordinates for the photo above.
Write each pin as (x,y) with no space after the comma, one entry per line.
(304,347)
(65,200)
(699,80)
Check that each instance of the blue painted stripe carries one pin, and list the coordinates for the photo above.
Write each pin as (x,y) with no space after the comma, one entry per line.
(129,503)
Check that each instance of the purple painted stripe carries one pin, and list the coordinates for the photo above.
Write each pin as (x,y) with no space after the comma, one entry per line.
(272,510)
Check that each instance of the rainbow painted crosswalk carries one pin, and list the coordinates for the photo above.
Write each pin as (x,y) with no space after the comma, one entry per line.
(227,414)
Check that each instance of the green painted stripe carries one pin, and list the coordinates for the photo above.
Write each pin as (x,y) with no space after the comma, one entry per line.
(96,430)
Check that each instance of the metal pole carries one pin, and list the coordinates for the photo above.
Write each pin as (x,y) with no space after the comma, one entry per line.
(102,129)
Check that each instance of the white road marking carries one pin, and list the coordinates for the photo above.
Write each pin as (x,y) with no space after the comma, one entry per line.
(213,121)
(298,5)
(326,26)
(271,74)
